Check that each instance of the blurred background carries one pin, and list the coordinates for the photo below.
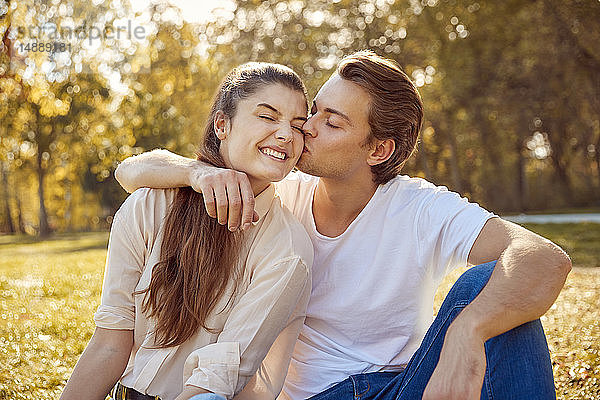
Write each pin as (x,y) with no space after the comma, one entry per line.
(512,120)
(511,89)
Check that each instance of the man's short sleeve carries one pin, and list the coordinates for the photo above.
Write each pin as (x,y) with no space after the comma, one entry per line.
(448,226)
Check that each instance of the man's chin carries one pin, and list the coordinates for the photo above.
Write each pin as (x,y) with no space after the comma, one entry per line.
(307,168)
(302,164)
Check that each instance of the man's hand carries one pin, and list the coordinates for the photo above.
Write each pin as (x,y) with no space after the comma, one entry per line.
(461,368)
(228,195)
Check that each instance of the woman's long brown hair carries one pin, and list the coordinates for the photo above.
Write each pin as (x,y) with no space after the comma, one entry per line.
(199,256)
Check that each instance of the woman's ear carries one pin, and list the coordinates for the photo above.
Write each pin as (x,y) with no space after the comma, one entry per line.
(382,152)
(222,125)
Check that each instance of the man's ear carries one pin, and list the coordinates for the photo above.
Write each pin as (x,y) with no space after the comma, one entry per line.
(382,152)
(222,125)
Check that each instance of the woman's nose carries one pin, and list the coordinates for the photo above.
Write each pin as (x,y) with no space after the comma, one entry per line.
(285,134)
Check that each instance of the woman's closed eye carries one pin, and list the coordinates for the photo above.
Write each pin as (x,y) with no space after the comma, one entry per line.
(267,117)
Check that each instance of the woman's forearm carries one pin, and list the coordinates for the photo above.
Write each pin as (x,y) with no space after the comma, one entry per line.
(157,169)
(100,366)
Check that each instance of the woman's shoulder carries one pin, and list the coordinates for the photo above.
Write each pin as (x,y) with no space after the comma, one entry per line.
(284,237)
(296,188)
(144,211)
(146,201)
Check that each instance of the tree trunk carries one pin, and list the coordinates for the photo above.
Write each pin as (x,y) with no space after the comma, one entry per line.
(597,157)
(20,221)
(454,168)
(520,199)
(9,222)
(44,229)
(559,159)
(451,142)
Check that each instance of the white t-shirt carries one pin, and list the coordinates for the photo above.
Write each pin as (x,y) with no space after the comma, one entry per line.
(373,286)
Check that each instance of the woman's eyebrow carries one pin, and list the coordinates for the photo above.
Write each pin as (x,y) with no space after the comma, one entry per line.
(270,107)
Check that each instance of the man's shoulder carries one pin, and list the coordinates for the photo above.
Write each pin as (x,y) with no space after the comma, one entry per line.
(411,196)
(412,188)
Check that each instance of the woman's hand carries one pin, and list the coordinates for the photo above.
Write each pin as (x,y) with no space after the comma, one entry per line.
(191,391)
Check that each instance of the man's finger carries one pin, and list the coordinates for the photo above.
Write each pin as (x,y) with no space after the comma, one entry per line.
(247,203)
(235,206)
(222,203)
(209,201)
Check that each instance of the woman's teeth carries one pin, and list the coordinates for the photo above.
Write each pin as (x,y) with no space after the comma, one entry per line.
(274,153)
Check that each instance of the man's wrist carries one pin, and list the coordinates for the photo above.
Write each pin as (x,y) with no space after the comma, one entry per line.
(469,325)
(195,169)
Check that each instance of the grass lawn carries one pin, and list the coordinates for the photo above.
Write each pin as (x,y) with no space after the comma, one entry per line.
(50,289)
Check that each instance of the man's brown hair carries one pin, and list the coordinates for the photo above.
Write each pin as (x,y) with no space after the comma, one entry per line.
(395,111)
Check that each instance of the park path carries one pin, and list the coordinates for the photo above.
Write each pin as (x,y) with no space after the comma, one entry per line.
(553,218)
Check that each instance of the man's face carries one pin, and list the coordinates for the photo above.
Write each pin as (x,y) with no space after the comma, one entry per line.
(337,130)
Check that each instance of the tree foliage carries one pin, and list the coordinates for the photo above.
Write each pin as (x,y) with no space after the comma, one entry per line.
(511,89)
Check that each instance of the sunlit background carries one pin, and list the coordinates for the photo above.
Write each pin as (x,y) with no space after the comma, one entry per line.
(511,91)
(512,120)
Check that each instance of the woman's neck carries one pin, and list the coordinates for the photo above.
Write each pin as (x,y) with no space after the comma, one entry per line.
(258,186)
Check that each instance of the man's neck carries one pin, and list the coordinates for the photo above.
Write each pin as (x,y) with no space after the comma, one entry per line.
(338,202)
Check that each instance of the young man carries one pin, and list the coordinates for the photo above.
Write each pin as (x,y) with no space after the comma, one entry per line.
(383,242)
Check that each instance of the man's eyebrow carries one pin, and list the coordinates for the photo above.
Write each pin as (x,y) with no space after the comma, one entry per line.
(336,112)
(341,114)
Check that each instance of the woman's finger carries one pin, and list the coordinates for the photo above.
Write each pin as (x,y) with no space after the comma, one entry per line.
(209,201)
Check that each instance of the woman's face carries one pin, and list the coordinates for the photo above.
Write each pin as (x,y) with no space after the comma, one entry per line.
(264,139)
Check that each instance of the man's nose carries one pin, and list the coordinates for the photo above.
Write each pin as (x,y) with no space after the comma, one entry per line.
(308,127)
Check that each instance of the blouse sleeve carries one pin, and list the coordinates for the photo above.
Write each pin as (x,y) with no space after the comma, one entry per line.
(127,248)
(273,306)
(268,380)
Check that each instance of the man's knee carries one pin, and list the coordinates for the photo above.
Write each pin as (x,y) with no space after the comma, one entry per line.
(470,283)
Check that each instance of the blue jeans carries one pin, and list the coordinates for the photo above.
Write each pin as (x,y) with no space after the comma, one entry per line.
(518,361)
(207,396)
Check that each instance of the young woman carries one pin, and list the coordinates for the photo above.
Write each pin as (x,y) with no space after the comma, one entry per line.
(189,307)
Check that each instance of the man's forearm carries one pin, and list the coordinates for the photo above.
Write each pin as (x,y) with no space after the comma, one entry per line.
(526,281)
(228,195)
(157,169)
(529,273)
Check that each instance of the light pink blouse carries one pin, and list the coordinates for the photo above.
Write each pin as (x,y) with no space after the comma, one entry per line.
(268,309)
